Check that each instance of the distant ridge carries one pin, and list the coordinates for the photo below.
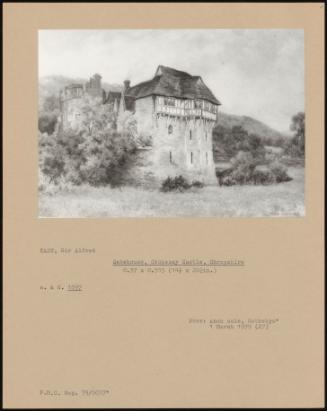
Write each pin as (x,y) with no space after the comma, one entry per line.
(251,125)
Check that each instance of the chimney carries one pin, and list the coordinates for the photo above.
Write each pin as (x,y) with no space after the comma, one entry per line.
(95,81)
(127,84)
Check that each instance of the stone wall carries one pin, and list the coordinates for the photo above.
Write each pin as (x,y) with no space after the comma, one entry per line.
(184,147)
(70,113)
(180,146)
(144,113)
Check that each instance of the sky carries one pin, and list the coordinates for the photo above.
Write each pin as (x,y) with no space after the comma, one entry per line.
(256,73)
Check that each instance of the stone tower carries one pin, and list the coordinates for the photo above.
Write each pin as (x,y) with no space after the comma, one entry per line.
(178,112)
(70,97)
(93,86)
(70,100)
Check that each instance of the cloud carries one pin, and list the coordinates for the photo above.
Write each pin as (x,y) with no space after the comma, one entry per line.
(258,73)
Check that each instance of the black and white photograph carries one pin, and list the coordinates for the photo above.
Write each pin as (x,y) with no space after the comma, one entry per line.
(161,123)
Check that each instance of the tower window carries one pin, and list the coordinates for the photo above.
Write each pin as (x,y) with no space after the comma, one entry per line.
(170,129)
(169,101)
(206,136)
(170,157)
(191,158)
(190,134)
(207,158)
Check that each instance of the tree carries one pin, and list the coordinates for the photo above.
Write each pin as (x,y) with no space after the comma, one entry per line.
(51,103)
(298,125)
(296,146)
(229,141)
(95,115)
(106,156)
(51,157)
(49,112)
(47,122)
(94,153)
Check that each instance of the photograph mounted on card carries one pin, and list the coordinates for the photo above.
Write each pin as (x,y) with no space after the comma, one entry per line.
(171,123)
(163,205)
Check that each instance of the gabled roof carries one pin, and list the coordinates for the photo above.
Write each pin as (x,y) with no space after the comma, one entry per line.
(170,71)
(173,83)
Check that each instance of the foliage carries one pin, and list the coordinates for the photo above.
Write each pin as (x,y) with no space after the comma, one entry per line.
(128,123)
(95,116)
(228,180)
(50,104)
(296,146)
(51,157)
(275,142)
(279,171)
(96,153)
(228,142)
(47,122)
(244,170)
(251,125)
(262,177)
(48,114)
(175,184)
(243,165)
(106,157)
(144,140)
(179,183)
(298,125)
(197,184)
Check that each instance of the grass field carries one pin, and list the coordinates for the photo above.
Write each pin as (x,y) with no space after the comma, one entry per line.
(279,200)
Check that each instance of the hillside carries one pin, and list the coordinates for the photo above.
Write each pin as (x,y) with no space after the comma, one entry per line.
(251,125)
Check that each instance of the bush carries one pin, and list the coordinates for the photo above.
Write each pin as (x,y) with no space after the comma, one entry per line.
(175,184)
(228,141)
(244,171)
(47,122)
(197,184)
(228,180)
(96,158)
(240,176)
(263,177)
(243,165)
(280,172)
(95,153)
(222,174)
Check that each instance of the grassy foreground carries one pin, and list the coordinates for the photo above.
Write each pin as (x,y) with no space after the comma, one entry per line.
(279,200)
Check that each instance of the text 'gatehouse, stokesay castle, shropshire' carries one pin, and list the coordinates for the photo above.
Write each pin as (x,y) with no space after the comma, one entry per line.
(174,109)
